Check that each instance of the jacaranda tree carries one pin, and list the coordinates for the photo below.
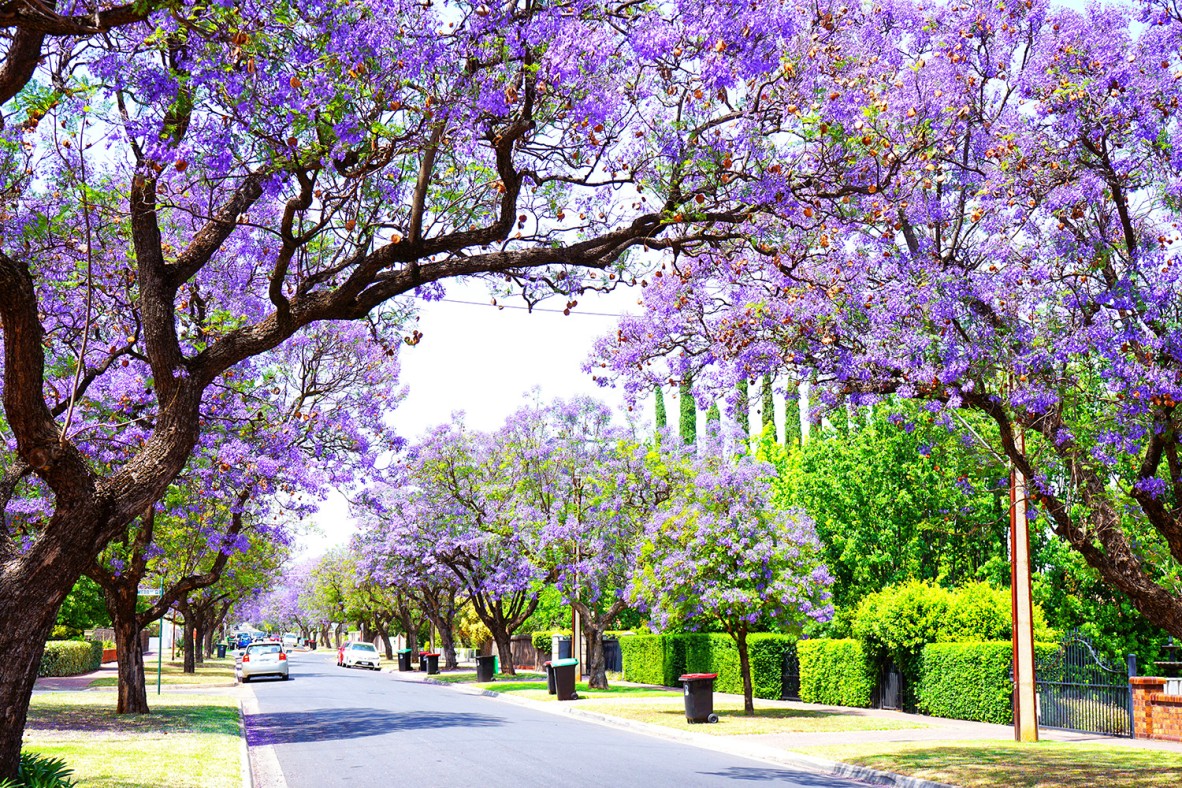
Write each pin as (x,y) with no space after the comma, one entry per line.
(720,552)
(1010,247)
(185,186)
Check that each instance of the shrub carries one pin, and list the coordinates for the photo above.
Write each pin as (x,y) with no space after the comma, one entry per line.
(70,657)
(661,659)
(835,672)
(39,771)
(970,681)
(542,640)
(644,659)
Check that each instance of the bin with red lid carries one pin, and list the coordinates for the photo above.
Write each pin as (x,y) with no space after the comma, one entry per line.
(699,697)
(432,661)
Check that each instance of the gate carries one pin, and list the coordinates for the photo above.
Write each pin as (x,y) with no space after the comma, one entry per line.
(888,694)
(1079,691)
(790,676)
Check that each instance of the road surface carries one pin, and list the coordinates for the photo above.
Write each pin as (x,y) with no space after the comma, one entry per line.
(331,726)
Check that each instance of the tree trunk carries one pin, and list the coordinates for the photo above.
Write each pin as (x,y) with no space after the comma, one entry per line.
(29,599)
(745,670)
(198,629)
(133,690)
(447,644)
(384,634)
(596,663)
(190,661)
(504,643)
(208,641)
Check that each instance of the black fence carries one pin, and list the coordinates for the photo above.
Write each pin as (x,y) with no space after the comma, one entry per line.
(1079,691)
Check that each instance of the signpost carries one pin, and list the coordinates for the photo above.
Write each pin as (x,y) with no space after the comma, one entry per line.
(157,592)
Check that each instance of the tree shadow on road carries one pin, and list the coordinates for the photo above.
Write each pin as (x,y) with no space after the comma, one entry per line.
(773,775)
(332,724)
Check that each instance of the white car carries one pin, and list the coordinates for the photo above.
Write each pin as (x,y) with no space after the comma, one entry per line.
(361,655)
(290,639)
(262,659)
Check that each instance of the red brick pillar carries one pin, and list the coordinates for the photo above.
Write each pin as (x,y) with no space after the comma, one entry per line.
(1144,688)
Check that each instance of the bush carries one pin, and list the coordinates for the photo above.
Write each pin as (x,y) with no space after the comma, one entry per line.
(70,657)
(835,672)
(970,681)
(661,659)
(542,640)
(39,771)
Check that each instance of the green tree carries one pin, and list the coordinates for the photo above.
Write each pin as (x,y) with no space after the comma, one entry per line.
(662,418)
(687,410)
(895,497)
(83,609)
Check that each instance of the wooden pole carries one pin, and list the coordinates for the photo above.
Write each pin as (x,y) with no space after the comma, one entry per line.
(1022,610)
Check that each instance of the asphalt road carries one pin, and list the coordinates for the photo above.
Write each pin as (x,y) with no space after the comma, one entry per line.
(331,726)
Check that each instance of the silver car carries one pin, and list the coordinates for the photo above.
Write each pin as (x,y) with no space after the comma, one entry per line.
(262,659)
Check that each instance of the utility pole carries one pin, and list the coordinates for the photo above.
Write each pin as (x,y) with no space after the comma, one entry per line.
(1022,608)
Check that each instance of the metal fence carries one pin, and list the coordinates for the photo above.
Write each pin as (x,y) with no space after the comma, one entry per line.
(1079,691)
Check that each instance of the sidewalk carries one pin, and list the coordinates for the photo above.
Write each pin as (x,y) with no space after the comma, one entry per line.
(75,683)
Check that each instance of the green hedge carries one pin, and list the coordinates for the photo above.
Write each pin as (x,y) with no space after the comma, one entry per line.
(542,640)
(835,672)
(970,681)
(661,659)
(70,657)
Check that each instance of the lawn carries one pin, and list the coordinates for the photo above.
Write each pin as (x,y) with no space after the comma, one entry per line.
(533,686)
(187,741)
(214,673)
(732,721)
(990,764)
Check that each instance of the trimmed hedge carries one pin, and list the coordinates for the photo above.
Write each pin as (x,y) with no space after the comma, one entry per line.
(835,672)
(661,659)
(70,657)
(970,681)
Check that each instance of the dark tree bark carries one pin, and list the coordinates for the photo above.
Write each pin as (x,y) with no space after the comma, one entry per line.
(384,633)
(132,693)
(187,636)
(740,638)
(595,623)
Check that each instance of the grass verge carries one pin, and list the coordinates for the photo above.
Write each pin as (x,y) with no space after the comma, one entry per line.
(533,687)
(186,742)
(990,764)
(213,673)
(670,713)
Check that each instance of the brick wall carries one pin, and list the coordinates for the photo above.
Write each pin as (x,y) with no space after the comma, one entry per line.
(1155,714)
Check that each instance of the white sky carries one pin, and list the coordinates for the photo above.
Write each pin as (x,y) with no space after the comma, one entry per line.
(483,361)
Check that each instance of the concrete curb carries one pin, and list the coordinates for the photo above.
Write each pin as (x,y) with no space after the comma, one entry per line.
(763,753)
(243,751)
(262,765)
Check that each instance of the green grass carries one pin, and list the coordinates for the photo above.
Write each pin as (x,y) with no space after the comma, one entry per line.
(991,764)
(214,673)
(733,722)
(533,686)
(188,741)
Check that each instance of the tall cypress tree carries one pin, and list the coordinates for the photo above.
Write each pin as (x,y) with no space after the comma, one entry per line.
(768,408)
(688,412)
(712,413)
(742,409)
(792,416)
(661,417)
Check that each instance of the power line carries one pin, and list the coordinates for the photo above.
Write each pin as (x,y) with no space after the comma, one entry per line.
(535,309)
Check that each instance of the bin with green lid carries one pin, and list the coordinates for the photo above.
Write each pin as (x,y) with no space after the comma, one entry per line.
(565,672)
(404,660)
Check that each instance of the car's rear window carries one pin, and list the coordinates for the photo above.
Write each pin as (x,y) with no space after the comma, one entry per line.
(269,649)
(362,647)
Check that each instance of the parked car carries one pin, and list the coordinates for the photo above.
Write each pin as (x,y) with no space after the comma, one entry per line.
(291,639)
(361,655)
(262,659)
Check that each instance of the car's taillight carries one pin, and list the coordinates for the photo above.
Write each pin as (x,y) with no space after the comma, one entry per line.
(282,656)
